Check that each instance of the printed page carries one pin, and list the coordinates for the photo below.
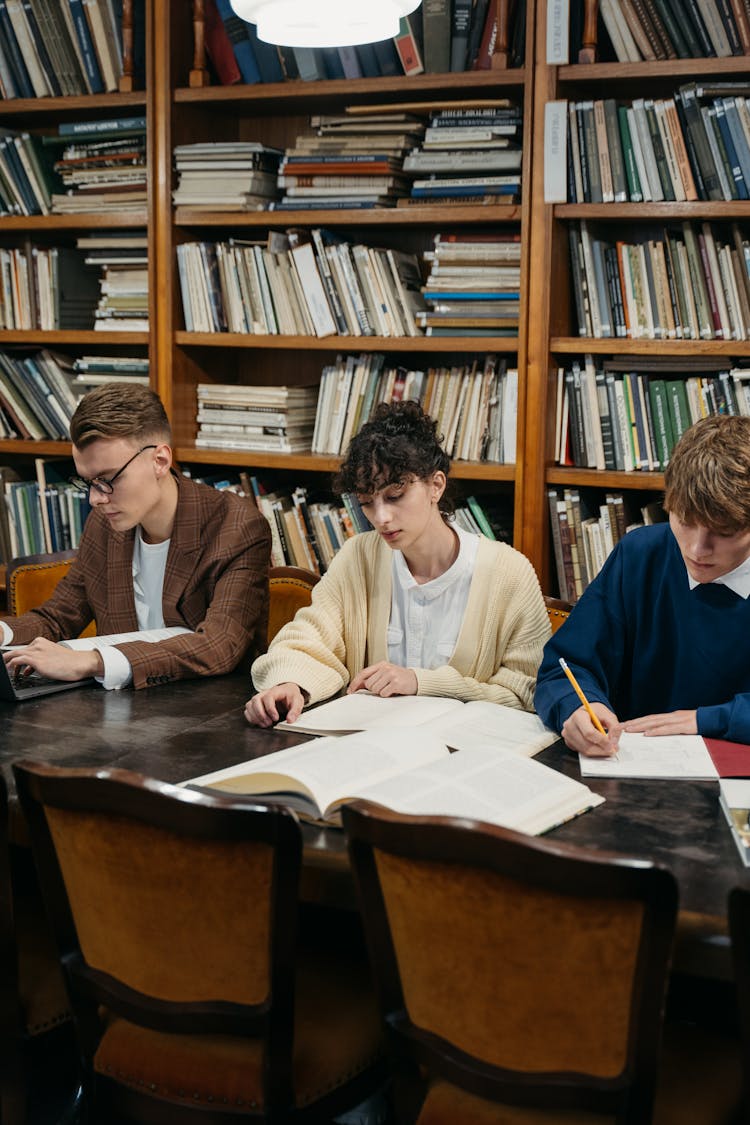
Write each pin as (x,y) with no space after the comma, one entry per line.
(330,769)
(86,644)
(492,726)
(513,792)
(669,756)
(363,711)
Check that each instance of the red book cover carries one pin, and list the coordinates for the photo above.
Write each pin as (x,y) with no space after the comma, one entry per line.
(732,759)
(483,60)
(407,48)
(219,47)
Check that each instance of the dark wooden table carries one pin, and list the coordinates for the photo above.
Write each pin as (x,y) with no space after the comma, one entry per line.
(190,728)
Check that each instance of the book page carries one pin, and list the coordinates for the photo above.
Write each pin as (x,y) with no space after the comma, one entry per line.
(512,792)
(664,757)
(363,711)
(330,769)
(493,726)
(151,636)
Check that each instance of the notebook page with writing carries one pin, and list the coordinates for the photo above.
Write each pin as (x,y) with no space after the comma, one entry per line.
(363,711)
(151,636)
(492,726)
(676,756)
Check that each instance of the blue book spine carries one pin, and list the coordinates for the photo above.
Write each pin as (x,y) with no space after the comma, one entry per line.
(333,63)
(90,63)
(13,54)
(469,295)
(241,45)
(731,151)
(480,189)
(350,62)
(266,56)
(368,60)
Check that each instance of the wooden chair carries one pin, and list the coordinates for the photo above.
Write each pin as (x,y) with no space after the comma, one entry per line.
(519,980)
(558,611)
(175,918)
(34,1011)
(289,589)
(32,579)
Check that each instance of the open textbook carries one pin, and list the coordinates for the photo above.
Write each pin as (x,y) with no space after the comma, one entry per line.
(668,756)
(151,636)
(410,772)
(462,726)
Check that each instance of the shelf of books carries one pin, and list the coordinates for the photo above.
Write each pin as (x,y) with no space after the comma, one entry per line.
(74,218)
(341,228)
(641,217)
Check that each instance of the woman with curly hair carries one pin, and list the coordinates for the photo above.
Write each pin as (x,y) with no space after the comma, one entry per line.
(415,607)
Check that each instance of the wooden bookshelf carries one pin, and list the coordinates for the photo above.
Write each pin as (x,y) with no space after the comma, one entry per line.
(274,114)
(553,329)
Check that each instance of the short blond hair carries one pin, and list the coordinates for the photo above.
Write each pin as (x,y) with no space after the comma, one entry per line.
(119,410)
(707,480)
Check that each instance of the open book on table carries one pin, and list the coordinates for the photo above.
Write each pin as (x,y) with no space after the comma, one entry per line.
(462,726)
(410,772)
(151,636)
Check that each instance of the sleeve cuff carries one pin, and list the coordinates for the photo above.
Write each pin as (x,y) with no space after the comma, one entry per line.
(6,634)
(117,670)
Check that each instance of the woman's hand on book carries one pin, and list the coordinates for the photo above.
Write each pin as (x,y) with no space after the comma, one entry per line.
(385,679)
(282,701)
(671,722)
(54,661)
(581,735)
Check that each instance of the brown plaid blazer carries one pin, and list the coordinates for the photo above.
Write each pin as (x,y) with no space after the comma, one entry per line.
(215,582)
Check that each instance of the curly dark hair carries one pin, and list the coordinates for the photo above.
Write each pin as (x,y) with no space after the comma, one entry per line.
(400,442)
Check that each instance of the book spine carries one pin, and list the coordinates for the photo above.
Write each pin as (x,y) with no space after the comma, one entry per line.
(86,47)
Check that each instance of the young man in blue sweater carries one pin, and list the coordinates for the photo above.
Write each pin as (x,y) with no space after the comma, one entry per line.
(660,640)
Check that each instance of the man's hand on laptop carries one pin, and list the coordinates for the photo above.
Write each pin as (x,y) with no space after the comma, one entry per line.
(53,660)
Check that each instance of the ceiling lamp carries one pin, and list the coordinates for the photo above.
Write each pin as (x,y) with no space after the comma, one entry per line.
(324,23)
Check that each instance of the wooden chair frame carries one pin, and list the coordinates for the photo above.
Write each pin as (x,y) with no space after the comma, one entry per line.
(287,578)
(214,817)
(547,865)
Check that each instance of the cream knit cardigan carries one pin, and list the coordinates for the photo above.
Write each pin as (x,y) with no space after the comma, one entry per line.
(499,646)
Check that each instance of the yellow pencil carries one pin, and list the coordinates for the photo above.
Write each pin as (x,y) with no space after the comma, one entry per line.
(582,697)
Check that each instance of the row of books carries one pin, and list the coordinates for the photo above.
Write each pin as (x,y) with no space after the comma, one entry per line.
(584,532)
(308,533)
(255,417)
(65,47)
(609,416)
(445,35)
(45,288)
(690,281)
(286,285)
(694,145)
(475,406)
(668,29)
(41,515)
(226,175)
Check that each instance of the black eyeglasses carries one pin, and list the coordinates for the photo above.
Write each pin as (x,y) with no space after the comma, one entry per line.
(104,487)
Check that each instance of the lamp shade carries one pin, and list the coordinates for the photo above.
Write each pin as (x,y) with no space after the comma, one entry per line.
(324,23)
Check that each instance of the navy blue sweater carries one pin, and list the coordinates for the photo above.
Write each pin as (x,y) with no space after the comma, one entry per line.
(642,642)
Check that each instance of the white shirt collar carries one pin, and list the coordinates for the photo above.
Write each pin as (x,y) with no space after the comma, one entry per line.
(738,580)
(462,564)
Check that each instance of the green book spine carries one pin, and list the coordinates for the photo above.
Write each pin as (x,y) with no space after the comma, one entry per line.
(478,514)
(635,192)
(657,393)
(679,411)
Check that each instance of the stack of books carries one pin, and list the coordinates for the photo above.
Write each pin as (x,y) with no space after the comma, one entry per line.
(296,284)
(46,288)
(64,48)
(102,165)
(354,160)
(36,397)
(690,282)
(694,145)
(95,370)
(226,175)
(475,407)
(122,258)
(470,154)
(473,287)
(669,29)
(255,418)
(626,414)
(464,160)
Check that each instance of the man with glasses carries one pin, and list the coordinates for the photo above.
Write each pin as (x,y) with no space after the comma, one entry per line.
(157,550)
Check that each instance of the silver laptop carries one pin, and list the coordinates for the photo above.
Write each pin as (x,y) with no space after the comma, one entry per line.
(15,689)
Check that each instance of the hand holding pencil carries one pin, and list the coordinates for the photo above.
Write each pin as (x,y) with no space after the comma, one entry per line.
(585,730)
